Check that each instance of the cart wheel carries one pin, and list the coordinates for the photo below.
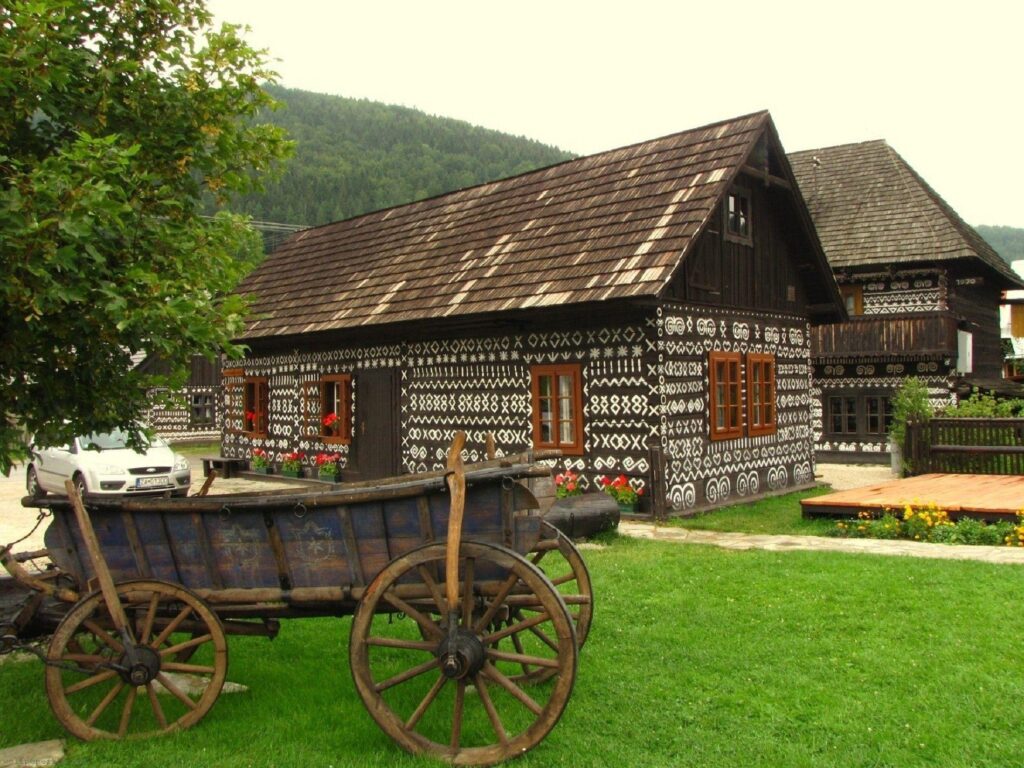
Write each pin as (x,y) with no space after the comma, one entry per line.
(557,556)
(564,565)
(451,695)
(110,687)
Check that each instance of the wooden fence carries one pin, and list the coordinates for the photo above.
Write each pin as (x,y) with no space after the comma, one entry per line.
(966,446)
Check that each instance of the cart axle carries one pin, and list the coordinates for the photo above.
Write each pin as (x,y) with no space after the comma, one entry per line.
(461,653)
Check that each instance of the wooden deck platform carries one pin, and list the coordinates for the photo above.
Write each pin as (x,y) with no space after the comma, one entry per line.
(988,496)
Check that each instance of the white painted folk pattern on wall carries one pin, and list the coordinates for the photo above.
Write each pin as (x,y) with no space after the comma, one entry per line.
(700,471)
(479,385)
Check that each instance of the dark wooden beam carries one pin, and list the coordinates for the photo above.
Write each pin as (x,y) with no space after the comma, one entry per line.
(767,178)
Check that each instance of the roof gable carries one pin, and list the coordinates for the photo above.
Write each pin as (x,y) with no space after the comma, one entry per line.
(872,209)
(609,226)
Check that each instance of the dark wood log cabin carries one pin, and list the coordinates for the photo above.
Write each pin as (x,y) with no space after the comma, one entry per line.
(645,310)
(921,287)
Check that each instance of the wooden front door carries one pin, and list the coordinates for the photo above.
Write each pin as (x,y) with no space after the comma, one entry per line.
(375,440)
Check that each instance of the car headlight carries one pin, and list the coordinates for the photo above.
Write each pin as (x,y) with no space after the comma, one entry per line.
(180,463)
(110,469)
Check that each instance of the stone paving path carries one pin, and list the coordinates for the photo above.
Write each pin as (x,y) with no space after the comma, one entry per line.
(1013,555)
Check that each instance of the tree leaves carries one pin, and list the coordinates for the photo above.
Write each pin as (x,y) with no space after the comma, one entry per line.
(121,121)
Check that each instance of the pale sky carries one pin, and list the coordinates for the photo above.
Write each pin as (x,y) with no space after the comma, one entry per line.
(938,80)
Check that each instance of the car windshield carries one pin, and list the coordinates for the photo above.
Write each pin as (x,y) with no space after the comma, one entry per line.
(106,441)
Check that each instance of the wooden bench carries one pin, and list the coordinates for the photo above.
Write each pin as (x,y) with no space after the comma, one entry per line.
(226,467)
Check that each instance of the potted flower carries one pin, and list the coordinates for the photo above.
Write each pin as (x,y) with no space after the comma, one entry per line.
(291,464)
(329,421)
(252,421)
(621,489)
(567,484)
(327,466)
(259,461)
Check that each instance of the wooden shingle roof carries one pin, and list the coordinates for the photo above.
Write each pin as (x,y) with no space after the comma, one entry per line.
(871,209)
(609,226)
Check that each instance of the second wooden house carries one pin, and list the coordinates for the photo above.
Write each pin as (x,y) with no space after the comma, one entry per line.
(921,287)
(645,310)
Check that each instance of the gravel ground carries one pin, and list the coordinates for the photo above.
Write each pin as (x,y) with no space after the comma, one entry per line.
(843,477)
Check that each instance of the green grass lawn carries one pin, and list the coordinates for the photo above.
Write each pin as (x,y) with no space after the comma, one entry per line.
(777,514)
(195,451)
(697,657)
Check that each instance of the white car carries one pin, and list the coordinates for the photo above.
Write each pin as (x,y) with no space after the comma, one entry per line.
(102,463)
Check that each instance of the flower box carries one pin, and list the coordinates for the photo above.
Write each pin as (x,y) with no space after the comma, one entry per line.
(291,472)
(327,467)
(262,470)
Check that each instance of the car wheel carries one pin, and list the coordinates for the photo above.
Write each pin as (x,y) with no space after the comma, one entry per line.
(80,487)
(32,484)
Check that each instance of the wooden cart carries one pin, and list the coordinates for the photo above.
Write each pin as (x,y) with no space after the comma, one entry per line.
(461,647)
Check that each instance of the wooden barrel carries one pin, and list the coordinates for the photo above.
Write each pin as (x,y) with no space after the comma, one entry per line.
(584,516)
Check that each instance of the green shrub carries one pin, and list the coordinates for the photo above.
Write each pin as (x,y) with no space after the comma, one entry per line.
(968,531)
(996,534)
(920,523)
(943,534)
(909,404)
(887,526)
(929,524)
(986,405)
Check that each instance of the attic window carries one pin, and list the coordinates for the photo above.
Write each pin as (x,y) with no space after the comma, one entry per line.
(853,297)
(737,216)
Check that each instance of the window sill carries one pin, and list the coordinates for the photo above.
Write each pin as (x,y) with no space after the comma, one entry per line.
(567,450)
(732,435)
(334,440)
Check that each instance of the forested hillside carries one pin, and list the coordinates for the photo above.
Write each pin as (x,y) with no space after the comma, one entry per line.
(354,156)
(1008,241)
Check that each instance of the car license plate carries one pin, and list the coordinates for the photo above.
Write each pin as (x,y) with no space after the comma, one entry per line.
(151,482)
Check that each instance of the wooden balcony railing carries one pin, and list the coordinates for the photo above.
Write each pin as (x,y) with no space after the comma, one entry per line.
(924,333)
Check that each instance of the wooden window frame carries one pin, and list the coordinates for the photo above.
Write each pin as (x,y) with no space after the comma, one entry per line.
(860,413)
(733,391)
(209,402)
(575,371)
(883,415)
(735,235)
(845,414)
(762,409)
(857,293)
(339,433)
(255,406)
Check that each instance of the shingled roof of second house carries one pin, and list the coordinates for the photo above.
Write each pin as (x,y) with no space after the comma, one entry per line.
(871,208)
(609,226)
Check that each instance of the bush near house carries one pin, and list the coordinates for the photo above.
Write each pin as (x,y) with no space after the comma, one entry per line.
(928,523)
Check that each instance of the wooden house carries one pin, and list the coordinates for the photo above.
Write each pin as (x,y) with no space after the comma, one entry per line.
(1011,316)
(195,412)
(922,290)
(646,310)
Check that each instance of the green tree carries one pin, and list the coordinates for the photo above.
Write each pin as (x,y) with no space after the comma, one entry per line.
(119,121)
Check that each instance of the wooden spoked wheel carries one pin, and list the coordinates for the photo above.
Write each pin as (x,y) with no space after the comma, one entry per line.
(437,682)
(102,686)
(556,555)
